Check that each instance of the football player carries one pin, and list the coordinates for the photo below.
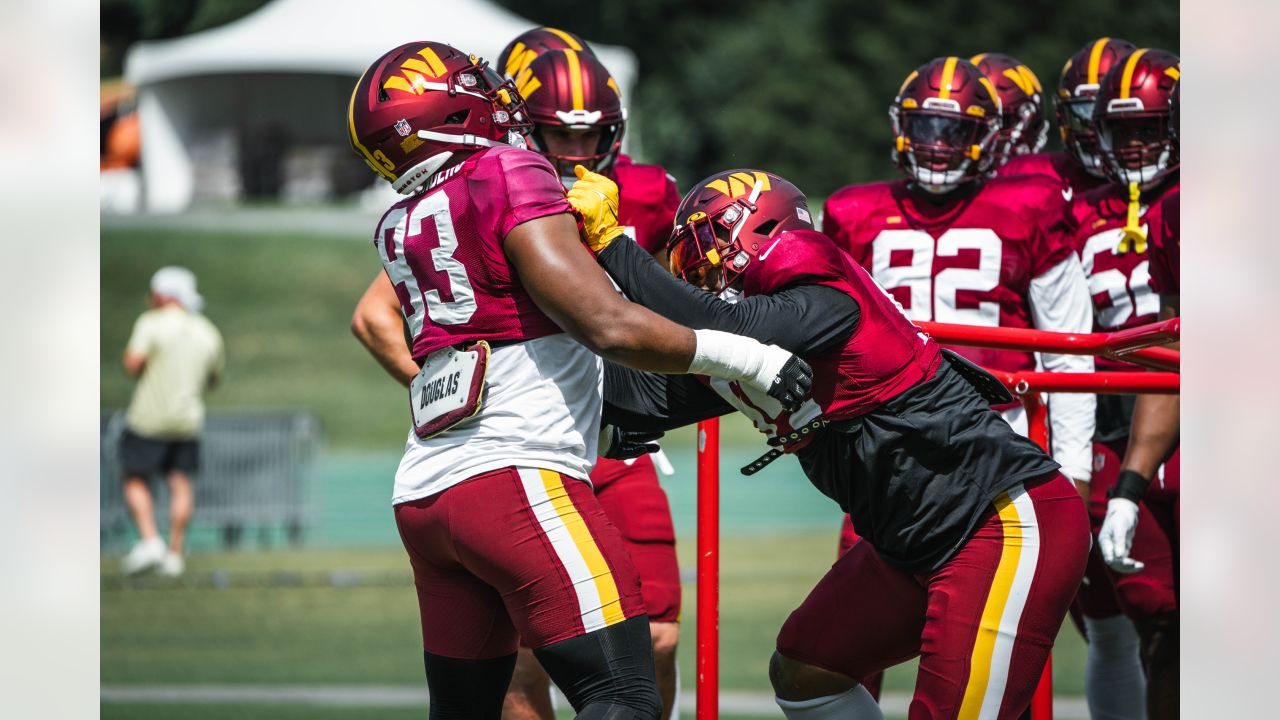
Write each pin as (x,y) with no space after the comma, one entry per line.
(1115,685)
(1116,225)
(576,110)
(491,498)
(1079,169)
(578,119)
(974,543)
(953,245)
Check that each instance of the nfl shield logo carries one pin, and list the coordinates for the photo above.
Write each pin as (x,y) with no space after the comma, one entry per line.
(402,127)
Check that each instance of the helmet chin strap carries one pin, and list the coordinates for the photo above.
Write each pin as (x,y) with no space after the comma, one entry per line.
(418,174)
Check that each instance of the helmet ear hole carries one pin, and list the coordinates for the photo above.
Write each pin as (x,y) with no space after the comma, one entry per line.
(766,227)
(458,118)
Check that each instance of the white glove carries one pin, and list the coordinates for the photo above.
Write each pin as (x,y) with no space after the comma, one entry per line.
(768,368)
(1116,537)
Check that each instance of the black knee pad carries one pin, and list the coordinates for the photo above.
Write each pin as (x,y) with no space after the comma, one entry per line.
(467,689)
(607,674)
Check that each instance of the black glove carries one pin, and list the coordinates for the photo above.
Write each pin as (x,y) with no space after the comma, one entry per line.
(792,384)
(619,444)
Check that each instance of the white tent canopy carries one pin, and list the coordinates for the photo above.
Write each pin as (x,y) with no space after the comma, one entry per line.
(290,65)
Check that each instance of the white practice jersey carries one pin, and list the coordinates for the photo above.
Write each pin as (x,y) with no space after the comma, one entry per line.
(541,409)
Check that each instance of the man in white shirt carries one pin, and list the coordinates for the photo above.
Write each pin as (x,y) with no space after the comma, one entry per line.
(176,354)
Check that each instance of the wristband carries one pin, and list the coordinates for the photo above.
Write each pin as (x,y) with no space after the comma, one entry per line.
(734,357)
(1130,486)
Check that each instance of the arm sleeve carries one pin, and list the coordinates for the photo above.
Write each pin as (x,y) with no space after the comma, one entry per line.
(644,401)
(1060,302)
(533,190)
(805,319)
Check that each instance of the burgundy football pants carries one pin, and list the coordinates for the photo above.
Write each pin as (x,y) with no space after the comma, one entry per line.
(515,553)
(982,624)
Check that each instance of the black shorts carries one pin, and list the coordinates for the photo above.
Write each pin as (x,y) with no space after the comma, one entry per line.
(146,457)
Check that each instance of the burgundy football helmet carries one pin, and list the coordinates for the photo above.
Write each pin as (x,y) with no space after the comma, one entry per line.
(572,90)
(421,102)
(946,119)
(1077,87)
(1024,127)
(1133,118)
(728,220)
(528,45)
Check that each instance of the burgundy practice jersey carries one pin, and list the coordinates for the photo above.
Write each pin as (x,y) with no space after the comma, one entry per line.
(1166,245)
(442,249)
(647,202)
(1119,282)
(969,260)
(884,356)
(1060,166)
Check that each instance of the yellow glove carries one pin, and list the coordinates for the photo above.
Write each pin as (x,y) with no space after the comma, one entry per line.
(595,198)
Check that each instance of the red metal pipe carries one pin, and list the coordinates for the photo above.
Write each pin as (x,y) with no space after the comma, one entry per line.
(708,630)
(1106,383)
(1156,358)
(1120,342)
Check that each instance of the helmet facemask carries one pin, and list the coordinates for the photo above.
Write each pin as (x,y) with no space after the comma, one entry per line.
(1136,147)
(1019,134)
(1075,117)
(599,159)
(942,148)
(705,250)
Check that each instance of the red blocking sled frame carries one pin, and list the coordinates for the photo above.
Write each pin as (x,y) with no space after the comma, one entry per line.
(1138,345)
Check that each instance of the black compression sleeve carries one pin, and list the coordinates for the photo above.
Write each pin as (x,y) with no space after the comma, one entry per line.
(805,319)
(649,402)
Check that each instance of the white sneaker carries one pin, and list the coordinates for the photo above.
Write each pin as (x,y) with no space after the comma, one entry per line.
(144,556)
(172,565)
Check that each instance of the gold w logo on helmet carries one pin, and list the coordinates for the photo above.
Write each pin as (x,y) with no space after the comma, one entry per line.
(1026,80)
(526,83)
(740,183)
(520,58)
(415,71)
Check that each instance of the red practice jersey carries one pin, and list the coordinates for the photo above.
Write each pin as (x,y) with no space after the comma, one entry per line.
(968,260)
(1119,282)
(1060,166)
(442,249)
(1166,245)
(884,356)
(647,202)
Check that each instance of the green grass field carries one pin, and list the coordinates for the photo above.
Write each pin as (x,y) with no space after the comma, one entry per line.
(266,628)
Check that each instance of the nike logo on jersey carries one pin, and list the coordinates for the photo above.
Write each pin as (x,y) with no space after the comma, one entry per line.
(765,255)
